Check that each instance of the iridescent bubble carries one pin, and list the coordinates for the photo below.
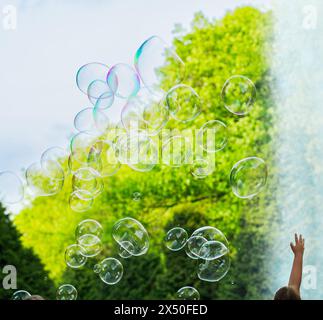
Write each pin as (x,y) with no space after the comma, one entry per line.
(213,270)
(130,230)
(145,112)
(184,103)
(194,245)
(188,293)
(177,151)
(75,256)
(103,158)
(213,136)
(91,121)
(123,81)
(89,73)
(55,154)
(212,250)
(152,58)
(201,168)
(81,201)
(101,90)
(91,244)
(238,95)
(125,249)
(20,295)
(110,270)
(66,292)
(46,179)
(88,226)
(248,177)
(11,188)
(138,151)
(176,239)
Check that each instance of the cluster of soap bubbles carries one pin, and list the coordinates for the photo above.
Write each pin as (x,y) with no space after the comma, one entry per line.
(88,235)
(130,235)
(207,245)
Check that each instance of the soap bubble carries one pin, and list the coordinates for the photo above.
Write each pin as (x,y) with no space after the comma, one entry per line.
(123,80)
(85,179)
(176,239)
(213,270)
(212,250)
(184,103)
(188,293)
(20,295)
(213,136)
(45,179)
(194,245)
(131,230)
(212,240)
(75,256)
(88,226)
(145,112)
(137,150)
(89,73)
(101,90)
(81,145)
(136,196)
(11,188)
(110,270)
(66,292)
(248,177)
(152,58)
(91,244)
(238,95)
(201,168)
(81,201)
(103,159)
(177,151)
(125,249)
(55,154)
(91,121)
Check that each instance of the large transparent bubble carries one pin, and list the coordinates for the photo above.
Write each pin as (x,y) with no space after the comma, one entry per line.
(129,230)
(248,177)
(184,103)
(213,270)
(238,95)
(45,179)
(20,295)
(104,96)
(81,145)
(91,244)
(213,136)
(151,60)
(56,154)
(188,293)
(66,292)
(110,270)
(176,238)
(123,81)
(88,226)
(75,256)
(89,73)
(11,188)
(194,245)
(212,250)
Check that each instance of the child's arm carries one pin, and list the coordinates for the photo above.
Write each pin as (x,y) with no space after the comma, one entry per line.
(295,278)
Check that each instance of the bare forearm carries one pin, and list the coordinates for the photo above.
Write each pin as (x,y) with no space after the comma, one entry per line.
(295,278)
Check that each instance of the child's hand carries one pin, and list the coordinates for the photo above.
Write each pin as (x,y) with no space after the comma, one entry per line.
(298,248)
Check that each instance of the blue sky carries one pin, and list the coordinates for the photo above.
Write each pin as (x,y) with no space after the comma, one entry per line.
(39,60)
